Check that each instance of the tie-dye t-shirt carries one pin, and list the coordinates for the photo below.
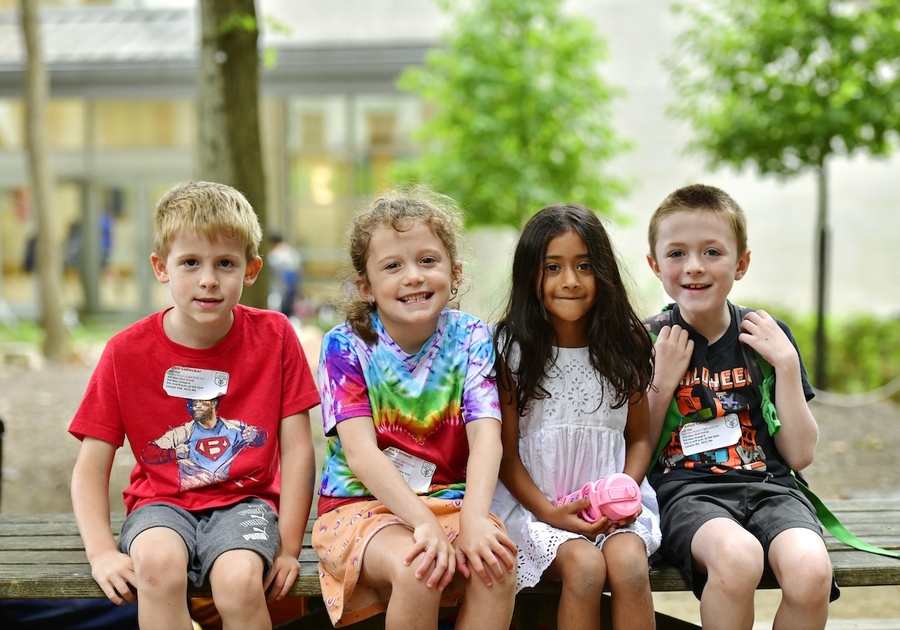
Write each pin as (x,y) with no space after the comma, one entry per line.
(419,403)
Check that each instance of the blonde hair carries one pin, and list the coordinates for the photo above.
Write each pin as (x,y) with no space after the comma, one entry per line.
(704,198)
(399,210)
(207,208)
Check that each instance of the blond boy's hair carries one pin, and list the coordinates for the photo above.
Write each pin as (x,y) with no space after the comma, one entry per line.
(703,198)
(210,209)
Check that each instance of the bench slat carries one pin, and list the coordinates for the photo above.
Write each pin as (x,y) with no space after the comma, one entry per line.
(42,556)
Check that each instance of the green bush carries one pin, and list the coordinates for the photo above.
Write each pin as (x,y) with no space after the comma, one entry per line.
(862,352)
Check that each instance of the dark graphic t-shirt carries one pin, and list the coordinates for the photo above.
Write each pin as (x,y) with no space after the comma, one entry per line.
(722,435)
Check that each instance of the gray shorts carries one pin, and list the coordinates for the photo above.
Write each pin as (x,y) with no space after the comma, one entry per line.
(250,524)
(763,509)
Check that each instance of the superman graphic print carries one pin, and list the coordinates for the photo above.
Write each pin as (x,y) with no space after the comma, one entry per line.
(205,447)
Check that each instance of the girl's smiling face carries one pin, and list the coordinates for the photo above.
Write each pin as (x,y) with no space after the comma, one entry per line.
(567,287)
(409,276)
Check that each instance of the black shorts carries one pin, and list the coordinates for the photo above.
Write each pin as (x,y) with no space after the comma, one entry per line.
(763,509)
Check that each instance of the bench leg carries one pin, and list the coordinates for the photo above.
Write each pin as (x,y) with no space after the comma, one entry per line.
(666,622)
(527,613)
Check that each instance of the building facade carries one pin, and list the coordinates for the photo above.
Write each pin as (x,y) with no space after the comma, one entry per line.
(122,129)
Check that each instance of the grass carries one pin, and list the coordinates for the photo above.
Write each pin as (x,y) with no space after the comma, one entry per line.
(81,332)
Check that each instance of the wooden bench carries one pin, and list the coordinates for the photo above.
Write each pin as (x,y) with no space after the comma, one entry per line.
(41,556)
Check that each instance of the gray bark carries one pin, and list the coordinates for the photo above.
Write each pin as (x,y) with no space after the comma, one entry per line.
(49,259)
(229,148)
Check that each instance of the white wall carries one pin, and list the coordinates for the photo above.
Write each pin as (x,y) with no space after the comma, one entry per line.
(864,217)
(865,222)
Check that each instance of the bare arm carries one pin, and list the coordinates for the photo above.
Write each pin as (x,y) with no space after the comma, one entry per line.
(112,570)
(672,353)
(386,483)
(638,447)
(799,432)
(483,547)
(298,473)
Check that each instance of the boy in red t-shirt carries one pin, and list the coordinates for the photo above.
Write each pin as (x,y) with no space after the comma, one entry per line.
(213,398)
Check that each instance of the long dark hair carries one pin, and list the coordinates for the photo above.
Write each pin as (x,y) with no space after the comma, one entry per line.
(619,346)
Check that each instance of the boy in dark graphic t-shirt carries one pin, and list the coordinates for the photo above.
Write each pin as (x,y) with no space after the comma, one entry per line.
(729,505)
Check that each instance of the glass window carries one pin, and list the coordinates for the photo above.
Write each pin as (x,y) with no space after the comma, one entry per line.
(383,134)
(341,149)
(137,124)
(63,120)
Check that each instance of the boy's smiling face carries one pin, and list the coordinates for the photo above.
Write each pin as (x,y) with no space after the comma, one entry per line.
(206,278)
(696,257)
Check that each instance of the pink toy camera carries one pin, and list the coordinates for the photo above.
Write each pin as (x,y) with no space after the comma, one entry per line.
(616,497)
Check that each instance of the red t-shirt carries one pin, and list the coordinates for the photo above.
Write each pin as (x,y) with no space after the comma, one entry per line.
(195,454)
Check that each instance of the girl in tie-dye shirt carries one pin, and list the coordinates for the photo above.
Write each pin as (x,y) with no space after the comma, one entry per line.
(411,413)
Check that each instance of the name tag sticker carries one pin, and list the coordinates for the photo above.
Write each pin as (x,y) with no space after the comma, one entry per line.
(416,471)
(710,435)
(185,382)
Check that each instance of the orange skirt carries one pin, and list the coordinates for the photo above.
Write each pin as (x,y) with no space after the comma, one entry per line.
(340,536)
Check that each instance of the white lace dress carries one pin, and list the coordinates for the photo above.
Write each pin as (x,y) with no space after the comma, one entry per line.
(565,441)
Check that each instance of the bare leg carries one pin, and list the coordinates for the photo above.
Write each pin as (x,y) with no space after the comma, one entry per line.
(581,568)
(236,579)
(800,562)
(733,560)
(160,566)
(487,607)
(411,603)
(628,573)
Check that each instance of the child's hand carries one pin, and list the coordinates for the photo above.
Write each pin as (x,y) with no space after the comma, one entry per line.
(761,332)
(482,547)
(285,569)
(438,557)
(673,351)
(566,517)
(625,522)
(114,573)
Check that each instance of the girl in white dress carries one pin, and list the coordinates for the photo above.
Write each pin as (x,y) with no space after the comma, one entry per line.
(576,363)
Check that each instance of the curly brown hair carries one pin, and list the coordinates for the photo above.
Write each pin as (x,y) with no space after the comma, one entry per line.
(399,209)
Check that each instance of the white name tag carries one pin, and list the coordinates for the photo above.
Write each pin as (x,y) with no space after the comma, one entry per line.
(415,470)
(185,382)
(710,435)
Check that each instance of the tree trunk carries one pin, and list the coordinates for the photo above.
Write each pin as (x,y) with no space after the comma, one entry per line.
(229,148)
(49,259)
(821,341)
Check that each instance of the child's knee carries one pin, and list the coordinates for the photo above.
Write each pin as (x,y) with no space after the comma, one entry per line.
(582,568)
(404,582)
(735,572)
(629,577)
(807,580)
(479,599)
(237,574)
(800,561)
(159,561)
(729,556)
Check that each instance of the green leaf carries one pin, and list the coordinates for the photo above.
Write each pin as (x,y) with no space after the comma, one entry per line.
(521,117)
(783,86)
